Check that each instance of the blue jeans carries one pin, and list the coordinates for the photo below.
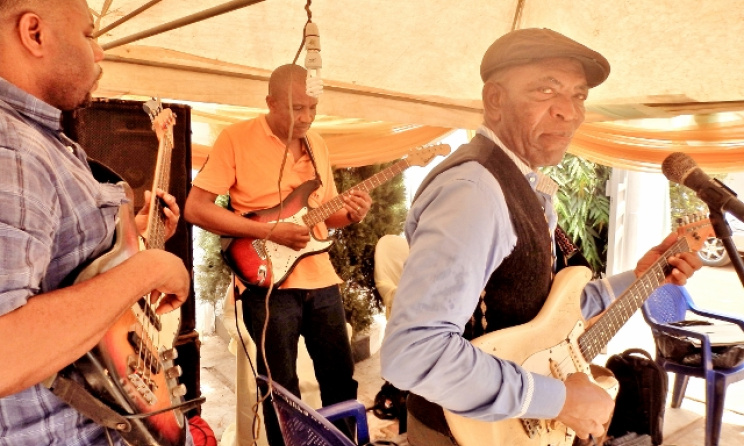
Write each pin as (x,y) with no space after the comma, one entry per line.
(317,315)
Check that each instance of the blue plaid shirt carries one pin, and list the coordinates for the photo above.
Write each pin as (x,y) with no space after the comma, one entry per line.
(54,216)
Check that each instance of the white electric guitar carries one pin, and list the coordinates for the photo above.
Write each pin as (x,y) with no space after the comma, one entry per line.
(557,343)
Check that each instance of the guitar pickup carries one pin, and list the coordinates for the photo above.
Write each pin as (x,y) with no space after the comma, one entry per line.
(531,426)
(150,313)
(260,246)
(147,359)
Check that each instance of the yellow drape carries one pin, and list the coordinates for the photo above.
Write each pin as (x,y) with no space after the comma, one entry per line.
(716,145)
(715,142)
(351,142)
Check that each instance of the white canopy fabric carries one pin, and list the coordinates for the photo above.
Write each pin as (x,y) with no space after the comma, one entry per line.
(417,62)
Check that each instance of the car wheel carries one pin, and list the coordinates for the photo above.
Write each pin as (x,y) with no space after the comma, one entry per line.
(713,253)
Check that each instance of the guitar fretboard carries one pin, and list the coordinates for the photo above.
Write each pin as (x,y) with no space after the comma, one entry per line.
(596,337)
(322,212)
(156,220)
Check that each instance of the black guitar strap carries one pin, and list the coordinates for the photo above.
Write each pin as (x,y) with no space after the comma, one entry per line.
(568,254)
(78,397)
(65,387)
(312,159)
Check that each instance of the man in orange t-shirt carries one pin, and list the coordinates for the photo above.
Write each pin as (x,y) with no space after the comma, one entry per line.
(245,162)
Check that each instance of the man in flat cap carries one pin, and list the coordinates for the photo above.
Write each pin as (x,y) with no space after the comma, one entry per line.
(482,231)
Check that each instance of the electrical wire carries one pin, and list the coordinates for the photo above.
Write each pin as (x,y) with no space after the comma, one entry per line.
(260,399)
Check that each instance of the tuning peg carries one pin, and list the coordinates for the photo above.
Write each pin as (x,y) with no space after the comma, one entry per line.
(170,354)
(173,372)
(178,391)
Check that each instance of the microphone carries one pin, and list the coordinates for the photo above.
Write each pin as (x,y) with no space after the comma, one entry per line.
(313,62)
(682,169)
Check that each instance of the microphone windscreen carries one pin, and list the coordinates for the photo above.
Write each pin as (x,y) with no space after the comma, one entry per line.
(676,166)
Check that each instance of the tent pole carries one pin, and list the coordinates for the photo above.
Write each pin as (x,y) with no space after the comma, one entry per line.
(126,18)
(188,20)
(518,14)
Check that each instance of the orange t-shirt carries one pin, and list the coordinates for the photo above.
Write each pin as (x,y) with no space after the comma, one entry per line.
(245,163)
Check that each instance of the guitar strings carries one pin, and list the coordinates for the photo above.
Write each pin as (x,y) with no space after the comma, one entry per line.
(161,218)
(148,359)
(597,335)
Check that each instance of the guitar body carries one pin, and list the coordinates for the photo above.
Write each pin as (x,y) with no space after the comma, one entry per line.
(546,345)
(131,369)
(261,262)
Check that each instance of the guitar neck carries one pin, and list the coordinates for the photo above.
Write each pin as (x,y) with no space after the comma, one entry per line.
(322,212)
(596,337)
(156,220)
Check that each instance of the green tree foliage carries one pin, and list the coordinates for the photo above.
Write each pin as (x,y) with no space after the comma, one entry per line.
(684,201)
(211,274)
(582,206)
(352,254)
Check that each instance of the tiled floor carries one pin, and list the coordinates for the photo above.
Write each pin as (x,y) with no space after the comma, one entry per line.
(717,288)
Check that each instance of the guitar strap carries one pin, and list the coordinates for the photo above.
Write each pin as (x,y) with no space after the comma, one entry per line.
(103,174)
(315,168)
(61,384)
(312,159)
(567,253)
(77,397)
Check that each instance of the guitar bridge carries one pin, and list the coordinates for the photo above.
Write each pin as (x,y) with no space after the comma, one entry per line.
(144,387)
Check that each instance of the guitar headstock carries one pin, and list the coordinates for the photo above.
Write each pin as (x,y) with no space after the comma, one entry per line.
(421,156)
(696,228)
(162,120)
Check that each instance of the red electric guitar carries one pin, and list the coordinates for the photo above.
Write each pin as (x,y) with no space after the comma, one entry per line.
(260,262)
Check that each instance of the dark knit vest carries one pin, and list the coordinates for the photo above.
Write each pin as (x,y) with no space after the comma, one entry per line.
(518,288)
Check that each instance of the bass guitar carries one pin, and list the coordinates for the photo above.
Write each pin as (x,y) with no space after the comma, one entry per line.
(260,262)
(131,369)
(557,343)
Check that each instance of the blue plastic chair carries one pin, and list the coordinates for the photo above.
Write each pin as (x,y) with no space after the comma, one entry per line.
(303,426)
(671,303)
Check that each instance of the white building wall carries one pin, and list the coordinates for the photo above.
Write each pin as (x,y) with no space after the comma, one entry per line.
(639,216)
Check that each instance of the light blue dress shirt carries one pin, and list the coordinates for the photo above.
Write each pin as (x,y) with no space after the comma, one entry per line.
(459,232)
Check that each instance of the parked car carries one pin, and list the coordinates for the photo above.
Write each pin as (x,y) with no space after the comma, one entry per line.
(713,253)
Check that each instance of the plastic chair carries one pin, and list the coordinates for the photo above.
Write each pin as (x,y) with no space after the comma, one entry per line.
(303,426)
(671,303)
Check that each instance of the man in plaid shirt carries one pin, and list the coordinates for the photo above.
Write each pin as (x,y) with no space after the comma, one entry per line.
(55,216)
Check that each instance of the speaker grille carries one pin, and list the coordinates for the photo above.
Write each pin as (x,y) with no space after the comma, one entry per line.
(118,134)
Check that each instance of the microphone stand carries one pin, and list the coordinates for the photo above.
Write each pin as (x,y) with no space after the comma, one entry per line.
(723,232)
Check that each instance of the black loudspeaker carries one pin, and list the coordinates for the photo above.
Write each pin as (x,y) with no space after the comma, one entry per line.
(119,134)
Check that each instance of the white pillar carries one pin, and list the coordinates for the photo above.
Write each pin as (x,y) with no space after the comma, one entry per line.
(639,220)
(639,216)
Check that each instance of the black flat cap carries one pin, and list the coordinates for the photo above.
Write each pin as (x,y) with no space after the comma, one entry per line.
(522,46)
